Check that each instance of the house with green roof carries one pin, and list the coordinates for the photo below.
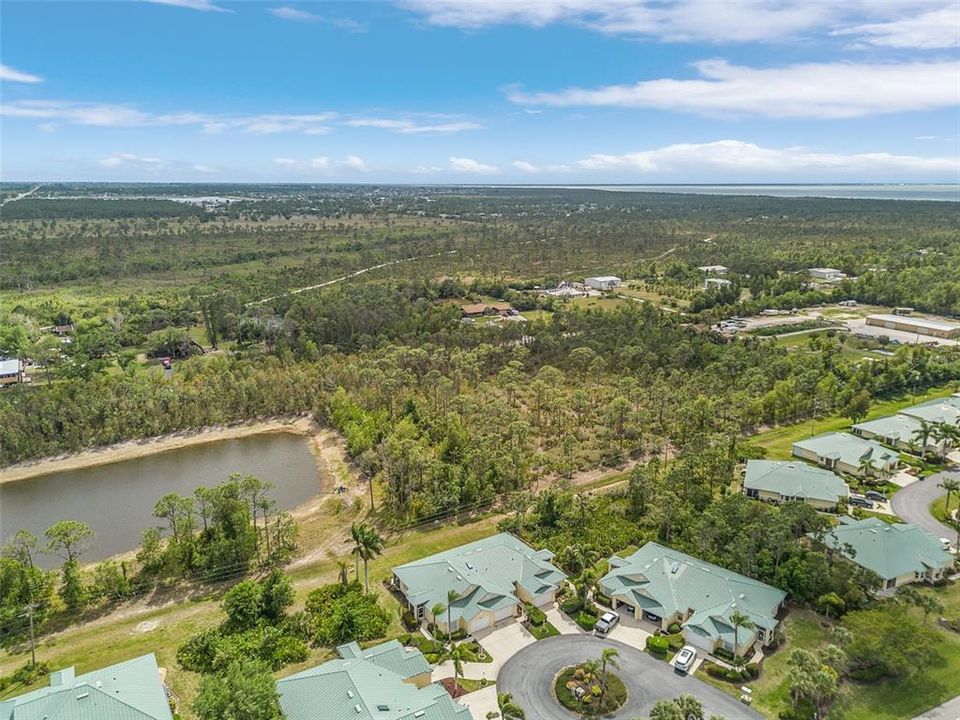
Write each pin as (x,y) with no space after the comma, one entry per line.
(131,690)
(848,453)
(900,554)
(943,410)
(662,585)
(492,579)
(379,683)
(779,481)
(898,431)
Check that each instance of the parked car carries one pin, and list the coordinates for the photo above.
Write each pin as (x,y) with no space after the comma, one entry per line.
(860,501)
(607,622)
(685,659)
(875,495)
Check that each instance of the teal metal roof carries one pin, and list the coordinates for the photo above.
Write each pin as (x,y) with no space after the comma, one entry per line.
(794,479)
(896,427)
(483,573)
(943,410)
(665,581)
(130,690)
(849,449)
(391,655)
(359,689)
(888,550)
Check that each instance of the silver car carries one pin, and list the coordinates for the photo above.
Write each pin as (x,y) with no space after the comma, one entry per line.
(685,659)
(607,622)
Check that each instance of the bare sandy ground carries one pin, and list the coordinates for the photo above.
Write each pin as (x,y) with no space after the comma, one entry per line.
(323,443)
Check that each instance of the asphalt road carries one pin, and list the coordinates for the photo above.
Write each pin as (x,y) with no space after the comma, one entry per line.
(529,677)
(912,504)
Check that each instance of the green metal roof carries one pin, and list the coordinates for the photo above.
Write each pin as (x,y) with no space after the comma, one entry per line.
(897,427)
(130,690)
(359,689)
(794,479)
(665,581)
(888,550)
(483,573)
(391,655)
(848,448)
(943,410)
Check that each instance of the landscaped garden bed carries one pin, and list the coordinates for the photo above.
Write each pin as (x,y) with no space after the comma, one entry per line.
(579,689)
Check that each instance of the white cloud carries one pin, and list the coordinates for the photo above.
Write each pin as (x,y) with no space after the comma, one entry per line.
(352,162)
(738,159)
(9,74)
(821,90)
(427,170)
(202,5)
(286,162)
(289,13)
(939,28)
(320,163)
(203,169)
(524,166)
(129,159)
(472,167)
(410,127)
(48,127)
(110,115)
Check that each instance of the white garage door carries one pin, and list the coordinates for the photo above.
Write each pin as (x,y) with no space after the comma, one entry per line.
(698,640)
(479,623)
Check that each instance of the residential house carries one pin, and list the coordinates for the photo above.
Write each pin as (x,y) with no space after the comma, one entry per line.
(900,554)
(902,432)
(943,410)
(603,282)
(718,270)
(848,453)
(11,371)
(716,283)
(385,682)
(779,481)
(663,586)
(131,690)
(829,274)
(496,308)
(492,578)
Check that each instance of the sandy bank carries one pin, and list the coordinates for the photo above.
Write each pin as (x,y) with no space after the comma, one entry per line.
(148,446)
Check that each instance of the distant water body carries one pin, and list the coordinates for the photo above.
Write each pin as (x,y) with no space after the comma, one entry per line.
(942,193)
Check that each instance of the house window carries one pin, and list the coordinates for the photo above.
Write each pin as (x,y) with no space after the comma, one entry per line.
(891,583)
(421,611)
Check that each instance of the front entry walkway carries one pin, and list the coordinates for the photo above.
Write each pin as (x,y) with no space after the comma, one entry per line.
(502,642)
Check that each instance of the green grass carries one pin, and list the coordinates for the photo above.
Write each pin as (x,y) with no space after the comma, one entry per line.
(472,685)
(541,632)
(779,441)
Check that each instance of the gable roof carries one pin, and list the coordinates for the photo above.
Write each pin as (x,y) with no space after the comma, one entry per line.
(848,448)
(944,410)
(130,690)
(794,479)
(895,427)
(360,689)
(888,550)
(483,573)
(391,655)
(665,581)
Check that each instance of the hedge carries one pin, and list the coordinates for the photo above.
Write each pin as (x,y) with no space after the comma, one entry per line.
(586,620)
(658,644)
(535,615)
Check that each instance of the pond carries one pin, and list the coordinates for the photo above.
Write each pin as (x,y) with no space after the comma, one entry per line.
(117,499)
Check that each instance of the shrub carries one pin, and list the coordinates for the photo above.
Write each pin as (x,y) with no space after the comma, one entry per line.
(409,621)
(536,616)
(753,670)
(586,620)
(673,628)
(602,599)
(570,605)
(676,641)
(657,644)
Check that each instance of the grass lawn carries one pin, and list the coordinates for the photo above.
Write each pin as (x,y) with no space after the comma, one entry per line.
(938,508)
(543,631)
(471,685)
(779,441)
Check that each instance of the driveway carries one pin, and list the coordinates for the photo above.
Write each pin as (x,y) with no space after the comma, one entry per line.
(912,504)
(481,702)
(501,642)
(529,677)
(561,622)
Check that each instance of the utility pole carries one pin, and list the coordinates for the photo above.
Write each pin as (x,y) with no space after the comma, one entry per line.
(33,648)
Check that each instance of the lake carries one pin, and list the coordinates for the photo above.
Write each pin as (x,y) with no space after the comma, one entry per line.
(117,499)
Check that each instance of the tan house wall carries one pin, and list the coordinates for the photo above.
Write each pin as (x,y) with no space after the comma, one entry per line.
(421,680)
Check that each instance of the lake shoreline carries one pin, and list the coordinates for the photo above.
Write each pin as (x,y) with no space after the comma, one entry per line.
(131,449)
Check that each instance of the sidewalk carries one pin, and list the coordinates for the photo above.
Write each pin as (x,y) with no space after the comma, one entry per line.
(950,710)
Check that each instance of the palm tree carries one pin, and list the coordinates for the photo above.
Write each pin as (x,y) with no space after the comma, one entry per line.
(457,654)
(371,545)
(452,596)
(356,533)
(342,566)
(951,486)
(922,435)
(941,434)
(690,706)
(587,578)
(866,467)
(509,710)
(436,611)
(739,620)
(608,656)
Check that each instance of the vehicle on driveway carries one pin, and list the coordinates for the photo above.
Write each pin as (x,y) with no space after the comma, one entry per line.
(607,622)
(859,501)
(874,495)
(685,659)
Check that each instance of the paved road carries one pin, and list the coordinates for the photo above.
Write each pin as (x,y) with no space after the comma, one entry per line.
(912,504)
(950,710)
(529,677)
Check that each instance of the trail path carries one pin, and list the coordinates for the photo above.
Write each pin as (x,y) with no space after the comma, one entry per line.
(21,196)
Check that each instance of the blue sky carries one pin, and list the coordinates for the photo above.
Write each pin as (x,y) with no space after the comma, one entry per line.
(491,91)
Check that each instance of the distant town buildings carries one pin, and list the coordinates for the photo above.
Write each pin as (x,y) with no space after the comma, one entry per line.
(497,308)
(719,270)
(918,325)
(716,283)
(828,274)
(11,371)
(603,282)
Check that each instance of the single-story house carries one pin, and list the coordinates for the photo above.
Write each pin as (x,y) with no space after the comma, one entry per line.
(900,554)
(713,269)
(492,578)
(663,586)
(131,690)
(716,283)
(379,683)
(496,308)
(847,453)
(778,481)
(943,410)
(11,371)
(918,325)
(826,273)
(898,431)
(603,282)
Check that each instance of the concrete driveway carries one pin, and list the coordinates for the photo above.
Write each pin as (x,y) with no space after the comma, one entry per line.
(631,631)
(481,702)
(502,642)
(529,677)
(912,504)
(561,622)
